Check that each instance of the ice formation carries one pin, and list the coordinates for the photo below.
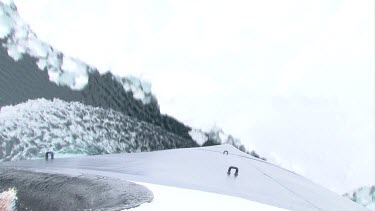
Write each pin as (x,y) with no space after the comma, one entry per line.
(29,129)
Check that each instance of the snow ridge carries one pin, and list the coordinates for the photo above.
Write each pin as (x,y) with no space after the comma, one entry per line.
(62,70)
(29,129)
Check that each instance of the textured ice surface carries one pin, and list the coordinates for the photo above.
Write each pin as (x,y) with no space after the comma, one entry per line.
(205,169)
(28,129)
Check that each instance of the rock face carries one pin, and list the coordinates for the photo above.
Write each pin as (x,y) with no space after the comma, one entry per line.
(31,69)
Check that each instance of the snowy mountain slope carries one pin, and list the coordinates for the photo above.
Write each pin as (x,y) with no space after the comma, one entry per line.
(204,169)
(364,196)
(31,69)
(29,129)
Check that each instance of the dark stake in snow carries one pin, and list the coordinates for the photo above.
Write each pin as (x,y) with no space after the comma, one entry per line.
(49,153)
(230,169)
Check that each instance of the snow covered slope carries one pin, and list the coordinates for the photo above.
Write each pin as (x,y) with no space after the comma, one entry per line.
(364,196)
(204,169)
(29,129)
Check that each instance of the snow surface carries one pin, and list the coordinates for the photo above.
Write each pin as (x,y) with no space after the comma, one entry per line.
(62,70)
(205,169)
(172,198)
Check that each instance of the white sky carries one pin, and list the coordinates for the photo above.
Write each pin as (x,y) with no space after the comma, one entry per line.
(292,79)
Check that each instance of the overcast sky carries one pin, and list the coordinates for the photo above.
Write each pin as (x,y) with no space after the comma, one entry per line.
(294,80)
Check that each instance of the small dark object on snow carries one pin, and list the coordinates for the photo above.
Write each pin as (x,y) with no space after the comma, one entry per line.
(230,169)
(225,152)
(49,153)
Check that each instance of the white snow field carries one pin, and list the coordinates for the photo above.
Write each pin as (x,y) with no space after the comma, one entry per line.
(202,169)
(172,198)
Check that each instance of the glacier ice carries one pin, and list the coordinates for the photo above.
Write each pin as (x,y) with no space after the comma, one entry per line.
(29,129)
